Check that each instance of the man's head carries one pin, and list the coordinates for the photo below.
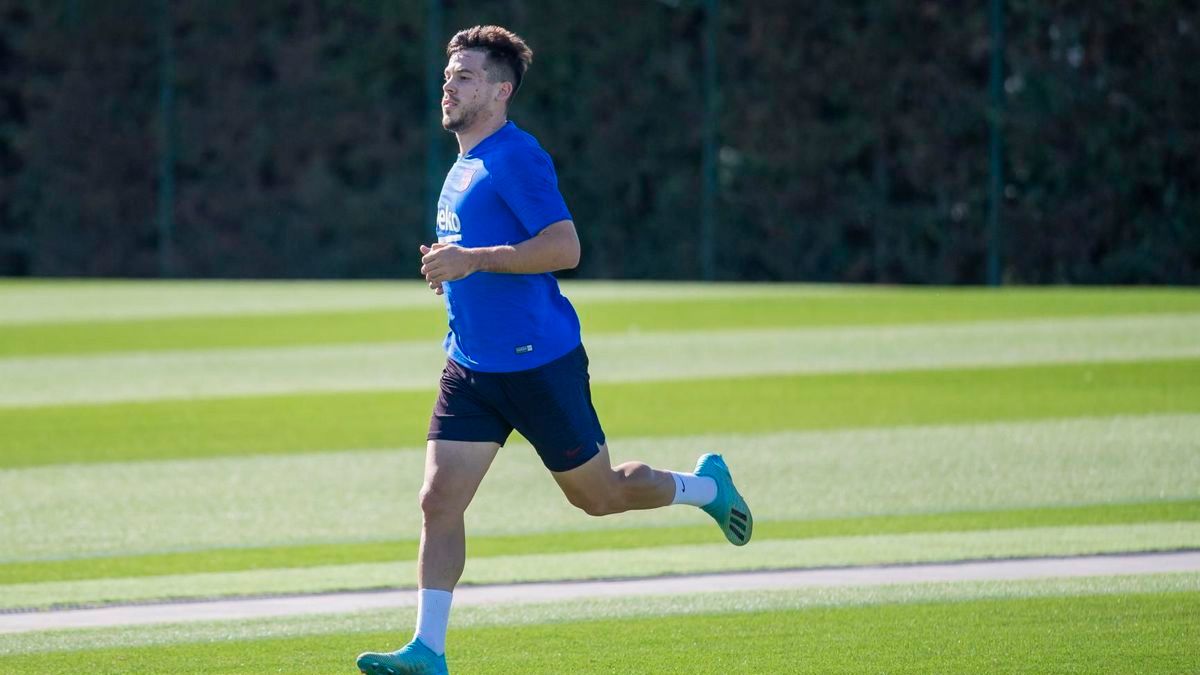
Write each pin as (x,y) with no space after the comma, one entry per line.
(485,68)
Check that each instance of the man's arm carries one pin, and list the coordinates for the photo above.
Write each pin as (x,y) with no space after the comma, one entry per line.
(555,248)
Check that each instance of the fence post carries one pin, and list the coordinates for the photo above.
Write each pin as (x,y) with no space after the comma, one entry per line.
(709,201)
(996,154)
(166,150)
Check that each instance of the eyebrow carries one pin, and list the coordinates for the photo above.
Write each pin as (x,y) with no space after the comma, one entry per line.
(461,69)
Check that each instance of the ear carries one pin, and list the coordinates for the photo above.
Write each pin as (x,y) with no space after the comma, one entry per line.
(505,91)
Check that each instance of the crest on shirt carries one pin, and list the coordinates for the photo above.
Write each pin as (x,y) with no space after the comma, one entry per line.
(462,179)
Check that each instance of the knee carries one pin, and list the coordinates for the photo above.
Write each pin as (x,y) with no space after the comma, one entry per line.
(602,498)
(592,503)
(598,508)
(437,502)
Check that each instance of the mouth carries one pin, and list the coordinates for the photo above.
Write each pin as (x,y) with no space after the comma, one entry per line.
(447,103)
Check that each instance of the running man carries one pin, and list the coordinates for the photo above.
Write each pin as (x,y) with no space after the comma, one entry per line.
(515,357)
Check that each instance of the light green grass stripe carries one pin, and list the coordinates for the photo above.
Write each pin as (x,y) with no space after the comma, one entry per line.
(691,559)
(692,310)
(280,557)
(59,300)
(615,358)
(315,422)
(398,623)
(321,498)
(30,301)
(95,300)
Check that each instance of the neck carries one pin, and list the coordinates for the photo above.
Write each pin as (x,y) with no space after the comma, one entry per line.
(469,138)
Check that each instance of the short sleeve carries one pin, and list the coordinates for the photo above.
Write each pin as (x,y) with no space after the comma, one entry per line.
(526,181)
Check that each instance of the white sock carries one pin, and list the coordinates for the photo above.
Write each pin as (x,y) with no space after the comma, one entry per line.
(693,489)
(433,617)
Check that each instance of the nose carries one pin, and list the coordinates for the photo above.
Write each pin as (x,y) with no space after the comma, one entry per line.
(448,87)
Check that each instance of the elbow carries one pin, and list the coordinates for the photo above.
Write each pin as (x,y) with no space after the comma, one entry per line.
(568,249)
(571,259)
(572,249)
(562,247)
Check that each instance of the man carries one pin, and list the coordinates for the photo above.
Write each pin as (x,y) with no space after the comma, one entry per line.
(515,355)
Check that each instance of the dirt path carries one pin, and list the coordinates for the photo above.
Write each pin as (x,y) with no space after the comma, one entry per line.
(331,603)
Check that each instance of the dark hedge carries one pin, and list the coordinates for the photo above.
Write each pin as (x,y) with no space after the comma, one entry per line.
(853,137)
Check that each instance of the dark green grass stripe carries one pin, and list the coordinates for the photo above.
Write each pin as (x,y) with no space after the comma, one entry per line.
(300,423)
(229,560)
(1145,633)
(860,307)
(1135,633)
(264,330)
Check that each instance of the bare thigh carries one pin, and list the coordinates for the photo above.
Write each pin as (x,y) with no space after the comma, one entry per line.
(587,484)
(453,472)
(600,489)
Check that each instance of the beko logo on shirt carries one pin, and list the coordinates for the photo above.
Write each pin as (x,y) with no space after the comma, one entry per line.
(447,220)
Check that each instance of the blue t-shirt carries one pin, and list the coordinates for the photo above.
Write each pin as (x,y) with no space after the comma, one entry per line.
(503,192)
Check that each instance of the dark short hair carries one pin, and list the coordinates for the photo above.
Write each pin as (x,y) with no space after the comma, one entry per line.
(508,57)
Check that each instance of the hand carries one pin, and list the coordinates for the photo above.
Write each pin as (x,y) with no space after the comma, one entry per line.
(445,262)
(435,286)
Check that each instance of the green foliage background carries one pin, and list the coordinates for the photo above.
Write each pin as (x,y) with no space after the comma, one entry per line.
(853,137)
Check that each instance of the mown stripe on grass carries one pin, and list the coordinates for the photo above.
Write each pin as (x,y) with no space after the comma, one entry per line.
(688,311)
(349,629)
(638,562)
(282,557)
(215,332)
(1146,635)
(615,358)
(139,508)
(74,300)
(305,423)
(24,301)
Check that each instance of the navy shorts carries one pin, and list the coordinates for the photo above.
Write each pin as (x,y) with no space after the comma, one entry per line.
(551,406)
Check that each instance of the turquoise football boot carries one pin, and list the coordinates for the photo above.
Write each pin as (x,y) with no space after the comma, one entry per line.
(728,509)
(413,658)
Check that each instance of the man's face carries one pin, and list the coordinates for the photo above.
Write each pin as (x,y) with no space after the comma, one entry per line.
(466,93)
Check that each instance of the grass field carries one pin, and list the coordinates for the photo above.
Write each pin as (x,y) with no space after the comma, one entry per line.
(190,439)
